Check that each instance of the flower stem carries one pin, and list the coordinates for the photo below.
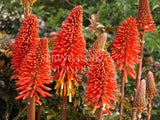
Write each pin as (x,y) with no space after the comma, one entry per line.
(31,108)
(100,113)
(122,94)
(64,102)
(27,8)
(149,106)
(39,112)
(87,116)
(139,72)
(30,100)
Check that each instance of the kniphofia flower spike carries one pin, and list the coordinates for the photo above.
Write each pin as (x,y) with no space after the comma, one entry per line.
(68,53)
(144,16)
(35,72)
(26,38)
(126,47)
(31,61)
(101,82)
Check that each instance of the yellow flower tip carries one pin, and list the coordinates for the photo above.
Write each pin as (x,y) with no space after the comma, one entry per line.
(57,85)
(70,97)
(106,106)
(92,112)
(57,91)
(112,108)
(39,102)
(62,85)
(77,84)
(70,86)
(85,105)
(32,1)
(109,107)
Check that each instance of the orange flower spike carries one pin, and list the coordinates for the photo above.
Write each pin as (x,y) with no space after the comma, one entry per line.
(101,81)
(25,40)
(144,16)
(68,51)
(126,47)
(35,72)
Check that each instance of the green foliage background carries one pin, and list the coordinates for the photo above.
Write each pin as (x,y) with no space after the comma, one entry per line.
(51,13)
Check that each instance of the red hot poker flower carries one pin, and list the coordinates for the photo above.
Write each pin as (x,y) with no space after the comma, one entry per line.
(25,40)
(126,47)
(101,81)
(35,72)
(68,52)
(144,16)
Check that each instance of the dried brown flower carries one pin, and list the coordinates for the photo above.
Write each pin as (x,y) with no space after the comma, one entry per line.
(140,97)
(150,83)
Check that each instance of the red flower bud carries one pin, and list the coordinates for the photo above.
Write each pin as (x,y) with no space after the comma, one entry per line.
(144,16)
(98,45)
(25,40)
